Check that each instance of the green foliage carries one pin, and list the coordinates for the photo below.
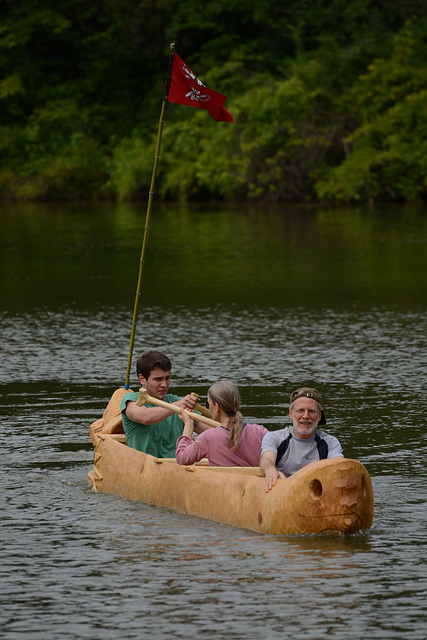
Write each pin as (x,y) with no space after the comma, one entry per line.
(131,166)
(388,148)
(10,86)
(288,129)
(197,160)
(328,99)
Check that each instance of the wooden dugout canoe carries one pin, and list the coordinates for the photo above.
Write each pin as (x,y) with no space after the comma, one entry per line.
(329,496)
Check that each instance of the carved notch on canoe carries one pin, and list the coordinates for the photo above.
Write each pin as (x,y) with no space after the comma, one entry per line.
(316,489)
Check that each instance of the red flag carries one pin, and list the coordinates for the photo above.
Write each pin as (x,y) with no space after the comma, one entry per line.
(186,88)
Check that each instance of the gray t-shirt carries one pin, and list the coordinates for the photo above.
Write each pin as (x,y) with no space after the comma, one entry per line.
(300,451)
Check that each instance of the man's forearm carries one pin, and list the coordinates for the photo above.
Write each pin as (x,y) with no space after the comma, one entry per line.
(146,415)
(267,464)
(269,470)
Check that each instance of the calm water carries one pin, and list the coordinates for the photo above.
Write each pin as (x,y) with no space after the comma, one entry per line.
(271,298)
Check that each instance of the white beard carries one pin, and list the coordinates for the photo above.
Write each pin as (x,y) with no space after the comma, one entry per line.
(297,431)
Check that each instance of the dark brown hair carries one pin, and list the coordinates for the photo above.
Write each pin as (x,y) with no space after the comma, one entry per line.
(152,360)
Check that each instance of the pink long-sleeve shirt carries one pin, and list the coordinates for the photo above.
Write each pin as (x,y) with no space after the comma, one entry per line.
(213,444)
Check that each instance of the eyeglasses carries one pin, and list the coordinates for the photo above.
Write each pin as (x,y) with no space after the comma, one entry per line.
(207,404)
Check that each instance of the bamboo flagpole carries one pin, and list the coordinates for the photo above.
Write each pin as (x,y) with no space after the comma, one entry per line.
(147,217)
(182,87)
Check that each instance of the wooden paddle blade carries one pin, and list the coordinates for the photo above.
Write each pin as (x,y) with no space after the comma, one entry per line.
(143,397)
(111,421)
(203,410)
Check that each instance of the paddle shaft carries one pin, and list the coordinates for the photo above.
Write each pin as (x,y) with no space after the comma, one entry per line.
(200,408)
(143,398)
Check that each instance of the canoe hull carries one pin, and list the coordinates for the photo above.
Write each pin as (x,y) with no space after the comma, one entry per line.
(333,496)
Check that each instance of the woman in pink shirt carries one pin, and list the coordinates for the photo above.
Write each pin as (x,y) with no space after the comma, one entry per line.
(233,444)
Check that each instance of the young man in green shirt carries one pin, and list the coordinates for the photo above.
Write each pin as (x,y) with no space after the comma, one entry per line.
(149,428)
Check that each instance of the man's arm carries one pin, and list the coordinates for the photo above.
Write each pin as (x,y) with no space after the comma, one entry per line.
(153,415)
(269,470)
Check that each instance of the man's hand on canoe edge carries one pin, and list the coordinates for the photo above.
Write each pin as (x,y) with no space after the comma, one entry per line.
(269,470)
(272,478)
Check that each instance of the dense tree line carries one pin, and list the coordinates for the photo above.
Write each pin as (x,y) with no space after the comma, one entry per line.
(329,99)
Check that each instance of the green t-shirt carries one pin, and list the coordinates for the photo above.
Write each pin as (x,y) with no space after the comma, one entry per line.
(159,440)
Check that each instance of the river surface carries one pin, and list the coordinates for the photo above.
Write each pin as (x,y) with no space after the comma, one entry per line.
(270,297)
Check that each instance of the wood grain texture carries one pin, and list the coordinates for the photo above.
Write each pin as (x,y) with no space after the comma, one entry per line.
(333,496)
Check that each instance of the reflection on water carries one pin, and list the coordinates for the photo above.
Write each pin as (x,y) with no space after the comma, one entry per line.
(286,257)
(74,564)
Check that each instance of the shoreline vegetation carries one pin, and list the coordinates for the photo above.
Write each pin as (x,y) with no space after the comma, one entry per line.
(329,100)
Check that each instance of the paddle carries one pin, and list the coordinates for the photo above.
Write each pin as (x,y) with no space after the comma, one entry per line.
(143,398)
(200,408)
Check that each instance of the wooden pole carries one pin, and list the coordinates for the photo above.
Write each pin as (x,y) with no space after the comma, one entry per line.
(143,398)
(199,407)
(147,218)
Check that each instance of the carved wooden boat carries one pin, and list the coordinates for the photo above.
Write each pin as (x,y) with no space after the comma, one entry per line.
(331,496)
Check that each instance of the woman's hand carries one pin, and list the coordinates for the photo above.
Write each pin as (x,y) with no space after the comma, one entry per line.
(188,424)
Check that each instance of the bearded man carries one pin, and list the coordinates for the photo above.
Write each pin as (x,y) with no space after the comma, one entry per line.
(287,450)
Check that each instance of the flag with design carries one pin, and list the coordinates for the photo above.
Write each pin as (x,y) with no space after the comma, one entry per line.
(184,87)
